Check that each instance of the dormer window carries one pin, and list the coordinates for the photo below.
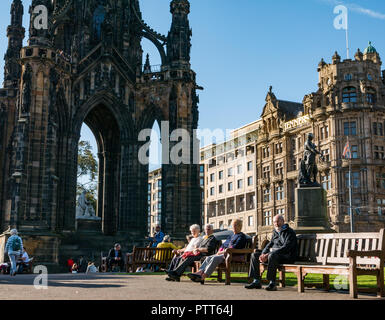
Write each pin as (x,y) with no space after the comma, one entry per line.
(370,78)
(349,94)
(348,77)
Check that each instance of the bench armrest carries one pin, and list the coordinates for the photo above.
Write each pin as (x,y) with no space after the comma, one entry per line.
(373,253)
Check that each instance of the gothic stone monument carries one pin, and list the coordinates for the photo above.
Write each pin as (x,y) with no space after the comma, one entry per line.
(310,207)
(87,68)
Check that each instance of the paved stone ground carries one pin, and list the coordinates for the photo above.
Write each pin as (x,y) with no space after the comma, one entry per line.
(146,287)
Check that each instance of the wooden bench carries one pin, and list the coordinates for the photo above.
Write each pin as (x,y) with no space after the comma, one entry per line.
(104,265)
(143,256)
(237,260)
(343,254)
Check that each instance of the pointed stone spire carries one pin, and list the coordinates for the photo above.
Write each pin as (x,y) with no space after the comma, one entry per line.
(179,36)
(147,65)
(15,34)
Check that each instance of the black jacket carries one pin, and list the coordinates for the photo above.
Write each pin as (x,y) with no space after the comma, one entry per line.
(283,243)
(210,244)
(111,254)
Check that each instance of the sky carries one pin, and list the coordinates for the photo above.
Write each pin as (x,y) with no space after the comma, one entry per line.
(240,48)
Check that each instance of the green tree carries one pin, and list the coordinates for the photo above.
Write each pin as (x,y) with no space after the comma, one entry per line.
(87,177)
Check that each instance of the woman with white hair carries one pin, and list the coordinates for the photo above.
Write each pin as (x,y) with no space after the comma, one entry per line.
(13,248)
(193,244)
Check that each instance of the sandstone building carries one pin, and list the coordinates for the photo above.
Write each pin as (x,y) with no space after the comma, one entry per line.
(253,175)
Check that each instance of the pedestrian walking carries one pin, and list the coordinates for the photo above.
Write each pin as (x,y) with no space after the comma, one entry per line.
(13,248)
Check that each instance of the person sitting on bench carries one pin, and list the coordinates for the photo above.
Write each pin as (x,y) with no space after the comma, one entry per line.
(237,241)
(281,249)
(206,248)
(192,245)
(115,257)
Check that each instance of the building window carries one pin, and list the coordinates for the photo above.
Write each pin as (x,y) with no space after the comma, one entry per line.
(230,186)
(279,148)
(250,181)
(266,195)
(350,128)
(371,95)
(239,169)
(324,132)
(266,172)
(149,187)
(267,218)
(378,129)
(250,221)
(279,168)
(250,166)
(212,177)
(348,77)
(280,192)
(326,181)
(281,212)
(240,184)
(380,180)
(356,181)
(294,163)
(326,154)
(354,150)
(202,182)
(379,153)
(221,188)
(230,172)
(212,191)
(159,183)
(220,175)
(349,94)
(266,152)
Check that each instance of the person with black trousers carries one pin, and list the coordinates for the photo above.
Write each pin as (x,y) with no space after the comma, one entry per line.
(206,248)
(115,257)
(281,249)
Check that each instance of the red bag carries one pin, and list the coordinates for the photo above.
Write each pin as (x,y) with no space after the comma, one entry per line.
(190,254)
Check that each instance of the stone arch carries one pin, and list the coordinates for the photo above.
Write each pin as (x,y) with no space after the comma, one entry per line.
(111,126)
(158,45)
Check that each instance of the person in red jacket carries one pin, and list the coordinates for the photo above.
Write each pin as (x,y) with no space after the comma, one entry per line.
(70,263)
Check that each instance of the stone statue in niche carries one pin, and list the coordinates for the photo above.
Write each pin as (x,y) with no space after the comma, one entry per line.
(84,209)
(26,90)
(308,169)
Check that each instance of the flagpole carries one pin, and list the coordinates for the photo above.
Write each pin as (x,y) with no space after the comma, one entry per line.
(347,36)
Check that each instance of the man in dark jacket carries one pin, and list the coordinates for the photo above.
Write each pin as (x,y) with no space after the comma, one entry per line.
(115,257)
(281,249)
(206,248)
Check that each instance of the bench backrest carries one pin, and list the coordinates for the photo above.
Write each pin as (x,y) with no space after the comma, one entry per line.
(333,248)
(152,254)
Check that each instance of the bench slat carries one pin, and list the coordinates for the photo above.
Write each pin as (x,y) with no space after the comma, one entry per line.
(346,247)
(367,244)
(339,250)
(374,244)
(359,244)
(333,252)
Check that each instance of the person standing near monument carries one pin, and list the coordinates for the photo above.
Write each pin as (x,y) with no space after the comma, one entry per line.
(13,248)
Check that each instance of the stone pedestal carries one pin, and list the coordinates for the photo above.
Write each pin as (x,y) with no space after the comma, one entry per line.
(88,225)
(310,211)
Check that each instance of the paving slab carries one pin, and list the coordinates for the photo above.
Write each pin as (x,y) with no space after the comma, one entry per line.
(104,286)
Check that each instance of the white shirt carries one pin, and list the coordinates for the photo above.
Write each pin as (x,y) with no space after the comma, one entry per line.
(25,257)
(194,243)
